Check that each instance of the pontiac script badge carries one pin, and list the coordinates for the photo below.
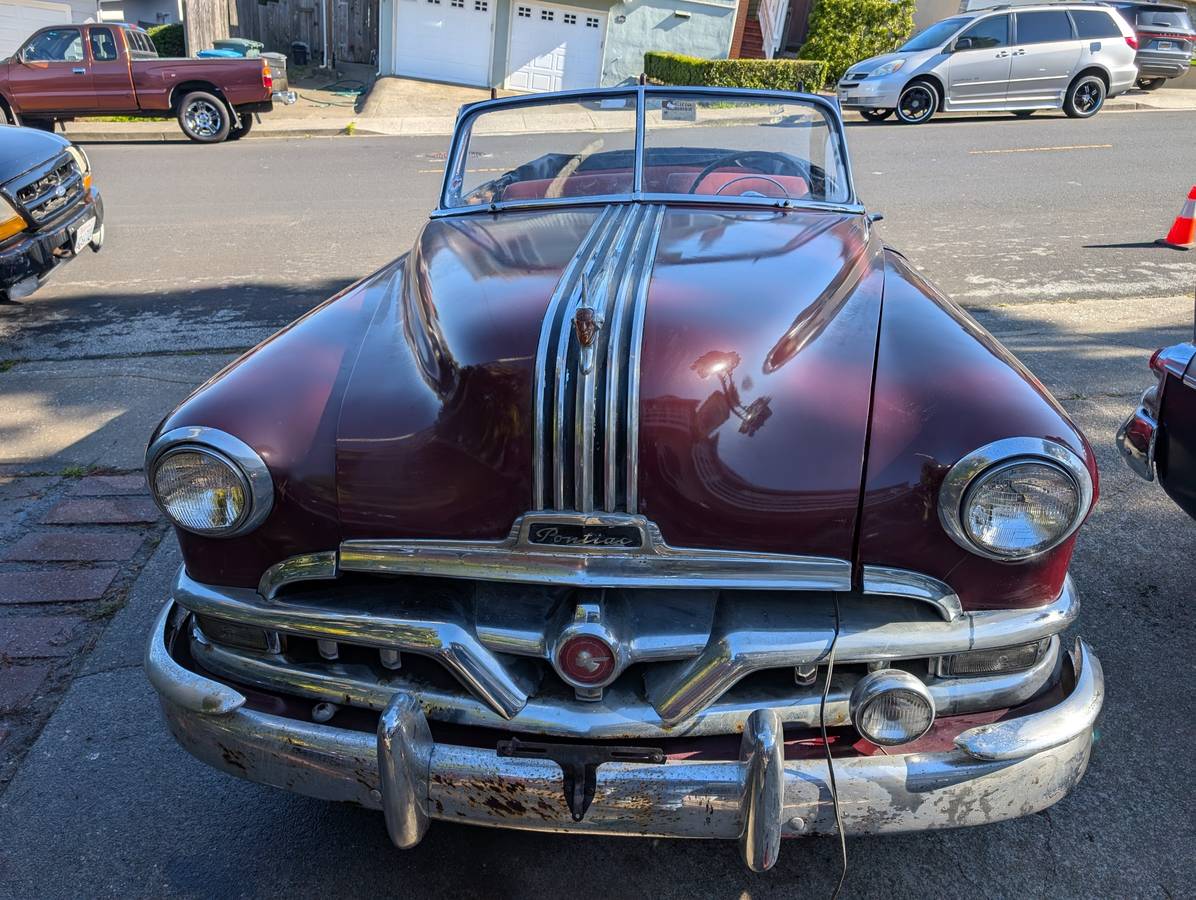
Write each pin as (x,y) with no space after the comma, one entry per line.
(567,534)
(586,325)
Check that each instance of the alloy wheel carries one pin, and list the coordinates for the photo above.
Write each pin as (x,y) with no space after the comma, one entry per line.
(1089,97)
(917,103)
(203,118)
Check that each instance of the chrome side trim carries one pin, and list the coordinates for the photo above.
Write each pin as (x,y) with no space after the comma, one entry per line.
(255,475)
(762,806)
(307,567)
(654,564)
(914,585)
(1007,451)
(620,714)
(742,645)
(450,641)
(1043,731)
(545,378)
(404,759)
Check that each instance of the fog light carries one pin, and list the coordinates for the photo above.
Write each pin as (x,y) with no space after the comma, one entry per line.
(891,707)
(221,631)
(989,662)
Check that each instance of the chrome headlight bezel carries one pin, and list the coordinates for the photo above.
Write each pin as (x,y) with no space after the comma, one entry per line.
(994,457)
(243,460)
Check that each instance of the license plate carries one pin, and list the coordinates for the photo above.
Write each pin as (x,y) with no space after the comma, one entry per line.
(83,234)
(1165,45)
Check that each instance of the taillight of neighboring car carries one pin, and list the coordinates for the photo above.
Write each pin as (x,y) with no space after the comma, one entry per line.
(268,76)
(1132,40)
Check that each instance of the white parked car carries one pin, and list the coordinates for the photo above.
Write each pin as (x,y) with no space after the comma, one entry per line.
(1020,59)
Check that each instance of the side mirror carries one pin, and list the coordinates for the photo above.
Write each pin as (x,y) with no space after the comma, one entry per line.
(965,43)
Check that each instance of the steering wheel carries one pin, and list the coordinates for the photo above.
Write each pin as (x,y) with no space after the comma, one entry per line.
(739,157)
(780,187)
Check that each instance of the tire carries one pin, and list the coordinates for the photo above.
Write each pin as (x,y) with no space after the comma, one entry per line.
(1151,84)
(918,103)
(1085,97)
(7,117)
(876,115)
(204,118)
(235,134)
(1023,113)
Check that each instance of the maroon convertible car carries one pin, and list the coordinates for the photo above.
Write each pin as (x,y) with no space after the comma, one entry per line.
(649,493)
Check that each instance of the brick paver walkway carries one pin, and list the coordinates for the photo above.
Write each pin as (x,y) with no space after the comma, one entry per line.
(69,550)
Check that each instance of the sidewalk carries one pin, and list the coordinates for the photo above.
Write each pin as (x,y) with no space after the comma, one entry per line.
(402,107)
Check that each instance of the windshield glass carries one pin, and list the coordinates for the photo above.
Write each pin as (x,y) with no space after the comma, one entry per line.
(934,36)
(719,145)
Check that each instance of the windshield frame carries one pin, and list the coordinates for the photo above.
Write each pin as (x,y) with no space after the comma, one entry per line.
(457,155)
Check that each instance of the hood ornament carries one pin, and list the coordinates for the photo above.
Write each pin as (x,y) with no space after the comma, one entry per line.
(586,326)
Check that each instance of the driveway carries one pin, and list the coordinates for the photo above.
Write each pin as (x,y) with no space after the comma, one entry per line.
(1037,226)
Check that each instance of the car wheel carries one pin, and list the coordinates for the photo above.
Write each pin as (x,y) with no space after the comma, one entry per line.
(1085,97)
(204,117)
(237,132)
(1151,84)
(917,103)
(876,115)
(1023,113)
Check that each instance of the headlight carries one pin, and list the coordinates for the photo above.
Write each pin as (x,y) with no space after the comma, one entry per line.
(209,482)
(81,159)
(887,69)
(11,221)
(1015,499)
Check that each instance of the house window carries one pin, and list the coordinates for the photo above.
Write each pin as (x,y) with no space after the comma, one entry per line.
(591,22)
(570,19)
(525,12)
(480,5)
(546,15)
(459,4)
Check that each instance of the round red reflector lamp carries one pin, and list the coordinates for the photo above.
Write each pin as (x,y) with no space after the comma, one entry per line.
(585,659)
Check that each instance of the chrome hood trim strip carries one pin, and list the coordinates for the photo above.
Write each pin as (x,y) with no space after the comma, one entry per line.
(587,377)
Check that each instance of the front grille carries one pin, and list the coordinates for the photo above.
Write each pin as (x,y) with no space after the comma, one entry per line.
(48,191)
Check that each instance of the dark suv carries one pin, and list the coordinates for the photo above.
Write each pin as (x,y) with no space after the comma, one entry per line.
(1166,41)
(49,210)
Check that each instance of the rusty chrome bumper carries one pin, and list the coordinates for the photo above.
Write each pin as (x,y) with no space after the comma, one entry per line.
(995,772)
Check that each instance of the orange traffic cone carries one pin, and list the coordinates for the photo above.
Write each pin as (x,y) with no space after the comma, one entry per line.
(1182,235)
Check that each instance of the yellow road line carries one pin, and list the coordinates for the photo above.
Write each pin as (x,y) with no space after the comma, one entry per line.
(1044,149)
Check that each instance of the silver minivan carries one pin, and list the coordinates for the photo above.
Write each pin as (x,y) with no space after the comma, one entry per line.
(1062,55)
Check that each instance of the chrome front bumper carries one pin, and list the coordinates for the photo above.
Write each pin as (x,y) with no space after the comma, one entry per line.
(995,772)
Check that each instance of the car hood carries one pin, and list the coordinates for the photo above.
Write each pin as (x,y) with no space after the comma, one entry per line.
(23,148)
(759,333)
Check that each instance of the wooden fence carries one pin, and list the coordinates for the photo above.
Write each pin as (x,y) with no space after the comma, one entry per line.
(205,21)
(277,24)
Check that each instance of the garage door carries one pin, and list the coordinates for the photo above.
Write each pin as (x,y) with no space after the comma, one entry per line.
(554,48)
(444,40)
(18,21)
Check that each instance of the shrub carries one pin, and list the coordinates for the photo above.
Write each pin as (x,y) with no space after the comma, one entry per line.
(168,39)
(842,32)
(769,74)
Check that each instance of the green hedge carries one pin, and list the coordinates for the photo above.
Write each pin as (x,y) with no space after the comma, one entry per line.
(843,32)
(770,74)
(168,39)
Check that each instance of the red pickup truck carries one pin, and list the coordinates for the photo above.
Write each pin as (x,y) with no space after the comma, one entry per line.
(70,71)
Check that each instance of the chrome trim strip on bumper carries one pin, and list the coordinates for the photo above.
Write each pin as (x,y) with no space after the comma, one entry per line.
(742,645)
(654,564)
(401,771)
(621,714)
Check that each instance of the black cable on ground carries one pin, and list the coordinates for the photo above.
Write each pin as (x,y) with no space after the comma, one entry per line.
(830,763)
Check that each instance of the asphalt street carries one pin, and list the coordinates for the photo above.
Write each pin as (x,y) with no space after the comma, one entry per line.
(1042,227)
